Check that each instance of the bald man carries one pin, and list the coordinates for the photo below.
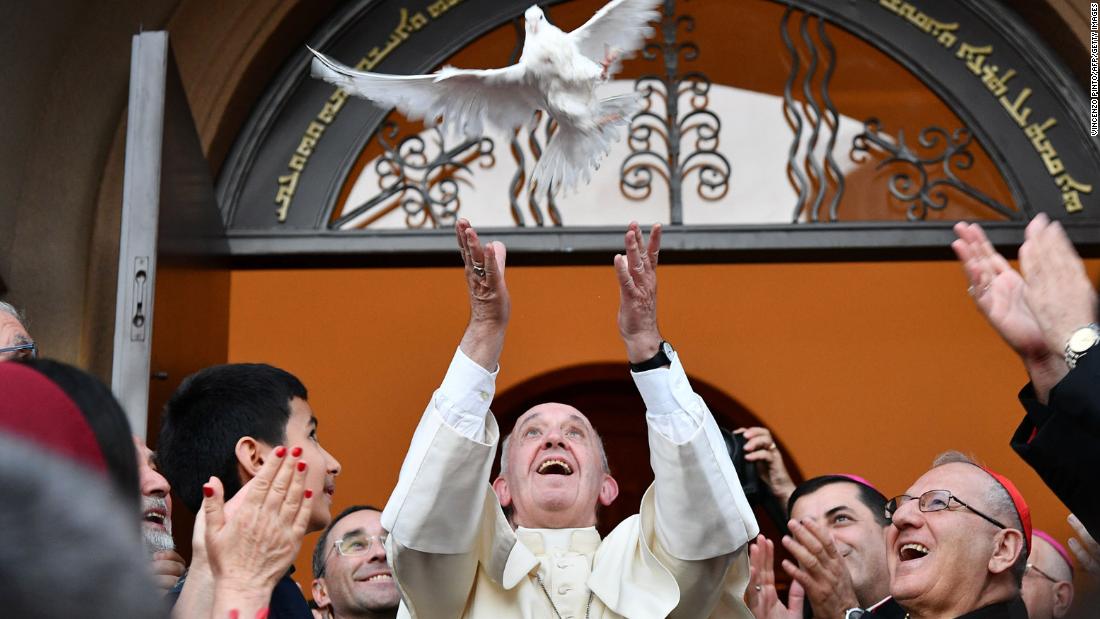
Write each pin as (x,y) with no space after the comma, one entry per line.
(1048,581)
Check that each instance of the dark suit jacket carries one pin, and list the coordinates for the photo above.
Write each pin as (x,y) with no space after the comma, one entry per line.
(1012,609)
(1061,440)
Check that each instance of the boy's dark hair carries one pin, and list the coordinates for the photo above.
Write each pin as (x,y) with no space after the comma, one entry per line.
(320,551)
(213,409)
(105,417)
(872,498)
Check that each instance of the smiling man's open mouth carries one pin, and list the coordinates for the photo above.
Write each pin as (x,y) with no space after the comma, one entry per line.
(155,516)
(555,467)
(912,551)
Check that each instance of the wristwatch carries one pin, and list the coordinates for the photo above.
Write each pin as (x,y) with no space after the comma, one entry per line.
(659,360)
(1081,342)
(855,613)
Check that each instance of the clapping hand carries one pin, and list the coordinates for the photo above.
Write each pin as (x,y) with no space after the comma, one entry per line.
(251,540)
(761,596)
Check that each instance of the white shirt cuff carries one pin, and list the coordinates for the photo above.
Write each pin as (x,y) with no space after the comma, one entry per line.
(464,397)
(672,407)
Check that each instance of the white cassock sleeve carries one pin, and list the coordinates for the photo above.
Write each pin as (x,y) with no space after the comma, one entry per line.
(702,521)
(701,510)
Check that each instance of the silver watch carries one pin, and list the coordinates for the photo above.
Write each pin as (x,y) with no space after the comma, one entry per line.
(1080,342)
(855,613)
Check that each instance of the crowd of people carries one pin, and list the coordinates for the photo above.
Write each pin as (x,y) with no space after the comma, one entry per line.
(238,445)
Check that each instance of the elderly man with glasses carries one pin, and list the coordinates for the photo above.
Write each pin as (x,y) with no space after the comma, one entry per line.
(958,543)
(350,575)
(15,342)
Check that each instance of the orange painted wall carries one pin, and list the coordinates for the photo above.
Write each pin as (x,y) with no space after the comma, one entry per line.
(871,368)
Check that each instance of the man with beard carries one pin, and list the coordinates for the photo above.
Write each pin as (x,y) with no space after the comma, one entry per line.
(156,519)
(454,552)
(351,579)
(958,543)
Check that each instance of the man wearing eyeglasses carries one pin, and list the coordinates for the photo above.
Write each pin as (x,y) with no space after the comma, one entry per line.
(351,578)
(958,543)
(1048,582)
(15,342)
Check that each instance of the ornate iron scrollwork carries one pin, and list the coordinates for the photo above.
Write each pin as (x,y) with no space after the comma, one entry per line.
(813,179)
(914,184)
(655,138)
(422,177)
(519,180)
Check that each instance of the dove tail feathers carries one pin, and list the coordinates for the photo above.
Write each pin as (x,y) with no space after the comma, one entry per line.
(574,154)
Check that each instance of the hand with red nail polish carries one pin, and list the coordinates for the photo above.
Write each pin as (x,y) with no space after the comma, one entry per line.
(251,540)
(297,451)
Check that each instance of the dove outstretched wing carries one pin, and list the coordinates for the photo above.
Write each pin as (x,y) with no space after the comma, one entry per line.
(467,100)
(621,25)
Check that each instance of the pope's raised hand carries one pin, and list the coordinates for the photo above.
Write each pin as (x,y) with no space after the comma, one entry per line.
(637,273)
(490,305)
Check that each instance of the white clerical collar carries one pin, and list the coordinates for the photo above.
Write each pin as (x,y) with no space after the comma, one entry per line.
(583,540)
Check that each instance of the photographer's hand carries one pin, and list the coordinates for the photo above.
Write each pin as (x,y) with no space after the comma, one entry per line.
(760,448)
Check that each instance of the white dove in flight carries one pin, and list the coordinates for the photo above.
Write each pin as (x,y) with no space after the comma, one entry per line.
(557,72)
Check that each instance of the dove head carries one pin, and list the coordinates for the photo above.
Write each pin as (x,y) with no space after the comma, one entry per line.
(533,19)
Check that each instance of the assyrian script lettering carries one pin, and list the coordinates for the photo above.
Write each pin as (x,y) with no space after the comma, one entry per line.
(996,78)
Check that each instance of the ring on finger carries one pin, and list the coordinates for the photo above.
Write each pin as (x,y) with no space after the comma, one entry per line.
(772,447)
(479,269)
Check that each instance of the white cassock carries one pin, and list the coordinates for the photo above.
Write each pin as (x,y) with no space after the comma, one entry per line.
(454,554)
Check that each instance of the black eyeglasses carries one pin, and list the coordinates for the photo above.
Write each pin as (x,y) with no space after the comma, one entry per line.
(1032,568)
(30,348)
(933,501)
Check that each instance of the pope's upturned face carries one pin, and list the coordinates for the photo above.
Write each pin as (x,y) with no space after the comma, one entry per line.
(555,473)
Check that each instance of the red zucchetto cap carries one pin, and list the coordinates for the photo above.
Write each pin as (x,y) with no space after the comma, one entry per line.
(34,409)
(1022,510)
